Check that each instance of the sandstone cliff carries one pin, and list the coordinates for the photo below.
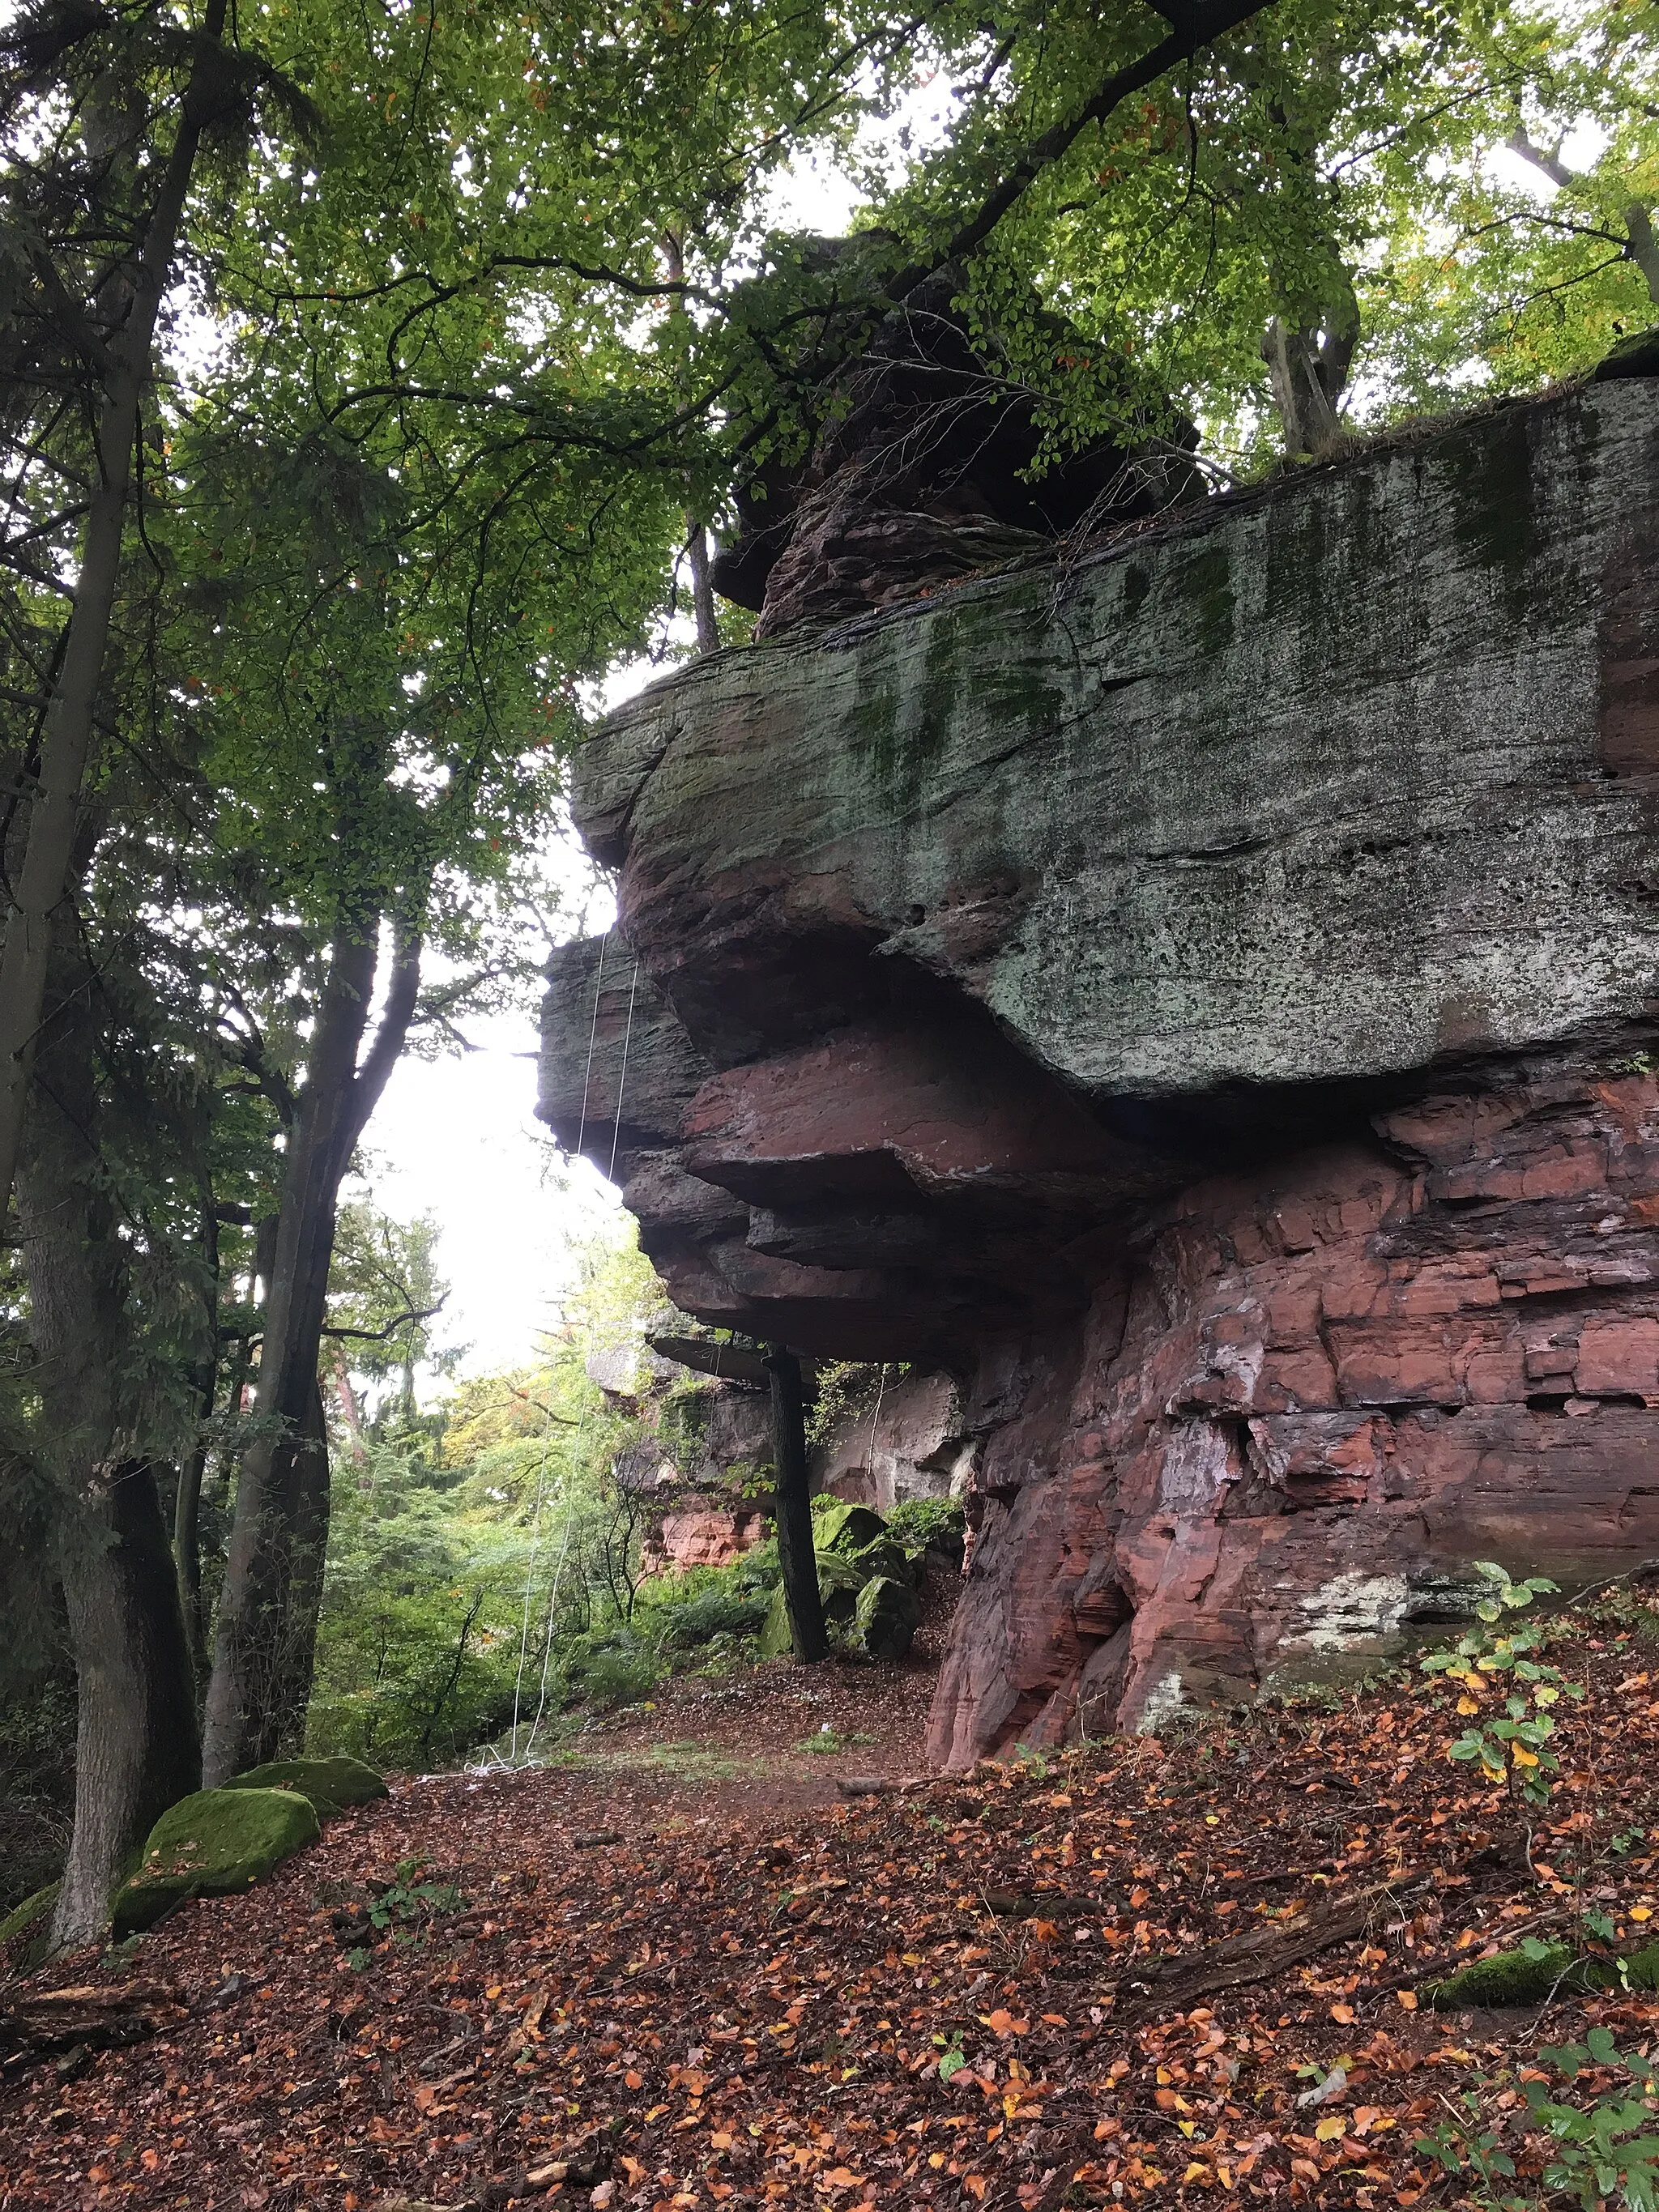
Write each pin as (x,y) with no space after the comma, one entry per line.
(1199,997)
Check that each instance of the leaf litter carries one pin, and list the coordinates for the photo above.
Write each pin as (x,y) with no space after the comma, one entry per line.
(1140,1972)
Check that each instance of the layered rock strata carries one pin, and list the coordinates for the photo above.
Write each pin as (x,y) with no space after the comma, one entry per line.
(1199,999)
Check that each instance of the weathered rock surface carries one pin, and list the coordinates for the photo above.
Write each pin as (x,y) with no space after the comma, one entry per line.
(1201,1001)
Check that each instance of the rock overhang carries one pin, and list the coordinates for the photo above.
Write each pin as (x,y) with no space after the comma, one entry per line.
(1118,983)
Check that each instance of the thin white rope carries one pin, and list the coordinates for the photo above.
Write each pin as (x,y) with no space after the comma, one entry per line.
(622,1077)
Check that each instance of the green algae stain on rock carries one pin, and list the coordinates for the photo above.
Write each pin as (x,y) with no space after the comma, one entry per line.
(1204,581)
(947,678)
(214,1843)
(1489,469)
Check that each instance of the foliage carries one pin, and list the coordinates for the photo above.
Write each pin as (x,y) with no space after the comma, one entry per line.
(1612,2145)
(37,1750)
(921,1523)
(1604,2152)
(1511,1745)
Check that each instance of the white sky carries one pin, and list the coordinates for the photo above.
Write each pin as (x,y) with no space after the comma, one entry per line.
(458,1138)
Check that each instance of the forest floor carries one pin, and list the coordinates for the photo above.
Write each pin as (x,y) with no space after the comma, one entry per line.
(684,1972)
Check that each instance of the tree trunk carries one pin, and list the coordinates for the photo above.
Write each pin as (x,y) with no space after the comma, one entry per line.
(309,1555)
(66,733)
(135,1740)
(794,1507)
(136,1746)
(703,590)
(1308,372)
(259,1655)
(1643,251)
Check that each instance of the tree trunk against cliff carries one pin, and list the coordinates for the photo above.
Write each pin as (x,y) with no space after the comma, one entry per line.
(267,1622)
(794,1507)
(135,1740)
(703,590)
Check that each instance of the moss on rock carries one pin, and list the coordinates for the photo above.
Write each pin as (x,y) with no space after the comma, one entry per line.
(213,1843)
(332,1785)
(28,1911)
(1532,1976)
(886,1618)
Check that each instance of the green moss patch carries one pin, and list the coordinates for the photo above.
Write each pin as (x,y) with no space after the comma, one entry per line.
(332,1785)
(1534,1975)
(887,1616)
(213,1843)
(35,1914)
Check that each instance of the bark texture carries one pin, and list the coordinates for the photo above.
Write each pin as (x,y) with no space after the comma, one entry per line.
(267,1613)
(136,1744)
(793,1507)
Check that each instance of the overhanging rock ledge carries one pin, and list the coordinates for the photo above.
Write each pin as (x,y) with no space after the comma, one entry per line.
(1200,998)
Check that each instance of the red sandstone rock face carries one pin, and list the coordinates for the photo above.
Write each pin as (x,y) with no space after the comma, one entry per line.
(706,1538)
(1281,1437)
(1185,1008)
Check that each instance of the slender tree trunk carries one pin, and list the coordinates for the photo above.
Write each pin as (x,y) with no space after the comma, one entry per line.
(187,1539)
(349,1413)
(703,590)
(251,1691)
(135,1740)
(1643,248)
(794,1507)
(67,731)
(309,1554)
(187,1504)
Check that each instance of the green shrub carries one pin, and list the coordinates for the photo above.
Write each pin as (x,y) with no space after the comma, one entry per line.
(614,1676)
(715,1612)
(922,1523)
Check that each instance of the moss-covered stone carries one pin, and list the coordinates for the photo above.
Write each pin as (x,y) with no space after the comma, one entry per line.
(29,1913)
(213,1843)
(774,1639)
(885,1619)
(332,1785)
(838,1525)
(1637,355)
(1507,1977)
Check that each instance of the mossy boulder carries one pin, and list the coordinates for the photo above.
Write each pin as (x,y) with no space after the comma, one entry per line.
(886,1618)
(212,1844)
(774,1639)
(865,1585)
(1534,1974)
(1636,355)
(856,1535)
(26,1930)
(332,1785)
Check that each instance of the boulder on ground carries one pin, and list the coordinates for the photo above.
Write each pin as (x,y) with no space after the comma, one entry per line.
(210,1844)
(26,1931)
(332,1785)
(844,1531)
(886,1618)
